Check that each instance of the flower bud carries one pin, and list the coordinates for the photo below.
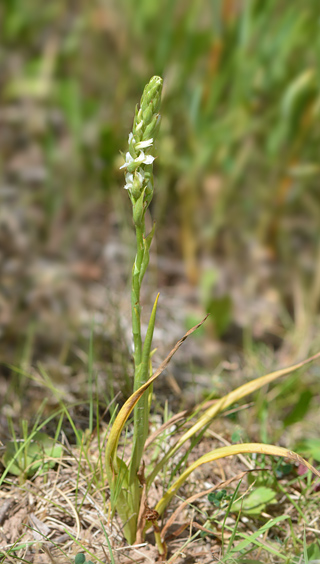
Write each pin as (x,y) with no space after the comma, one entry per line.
(152,128)
(147,115)
(138,210)
(152,94)
(137,185)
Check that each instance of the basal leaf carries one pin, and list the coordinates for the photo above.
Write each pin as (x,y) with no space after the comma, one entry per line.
(255,502)
(41,451)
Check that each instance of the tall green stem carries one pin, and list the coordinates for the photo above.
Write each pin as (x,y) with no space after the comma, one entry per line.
(135,304)
(141,360)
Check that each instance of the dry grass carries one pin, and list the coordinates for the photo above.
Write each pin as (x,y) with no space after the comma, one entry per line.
(65,511)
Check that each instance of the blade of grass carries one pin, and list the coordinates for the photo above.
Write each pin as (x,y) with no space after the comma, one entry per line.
(225,520)
(109,544)
(248,540)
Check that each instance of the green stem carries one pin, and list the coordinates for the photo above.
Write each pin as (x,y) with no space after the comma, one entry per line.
(135,305)
(142,363)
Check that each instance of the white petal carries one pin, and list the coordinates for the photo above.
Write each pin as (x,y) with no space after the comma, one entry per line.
(148,159)
(140,158)
(129,181)
(129,160)
(144,144)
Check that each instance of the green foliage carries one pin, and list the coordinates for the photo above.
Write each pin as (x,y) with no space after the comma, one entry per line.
(282,469)
(220,310)
(253,538)
(313,552)
(237,434)
(218,306)
(300,409)
(218,497)
(256,501)
(310,447)
(250,561)
(81,559)
(26,458)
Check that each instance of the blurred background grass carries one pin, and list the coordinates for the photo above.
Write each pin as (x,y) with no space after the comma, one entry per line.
(237,177)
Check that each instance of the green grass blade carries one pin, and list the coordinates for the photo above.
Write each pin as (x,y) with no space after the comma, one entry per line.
(248,540)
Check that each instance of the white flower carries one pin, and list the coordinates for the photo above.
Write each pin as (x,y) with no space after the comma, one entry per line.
(141,159)
(144,144)
(147,159)
(129,159)
(130,178)
(129,181)
(140,176)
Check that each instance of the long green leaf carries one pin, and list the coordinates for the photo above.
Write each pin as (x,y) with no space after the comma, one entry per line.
(222,404)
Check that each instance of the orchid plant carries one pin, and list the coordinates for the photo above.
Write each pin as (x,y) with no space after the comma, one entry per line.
(128,483)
